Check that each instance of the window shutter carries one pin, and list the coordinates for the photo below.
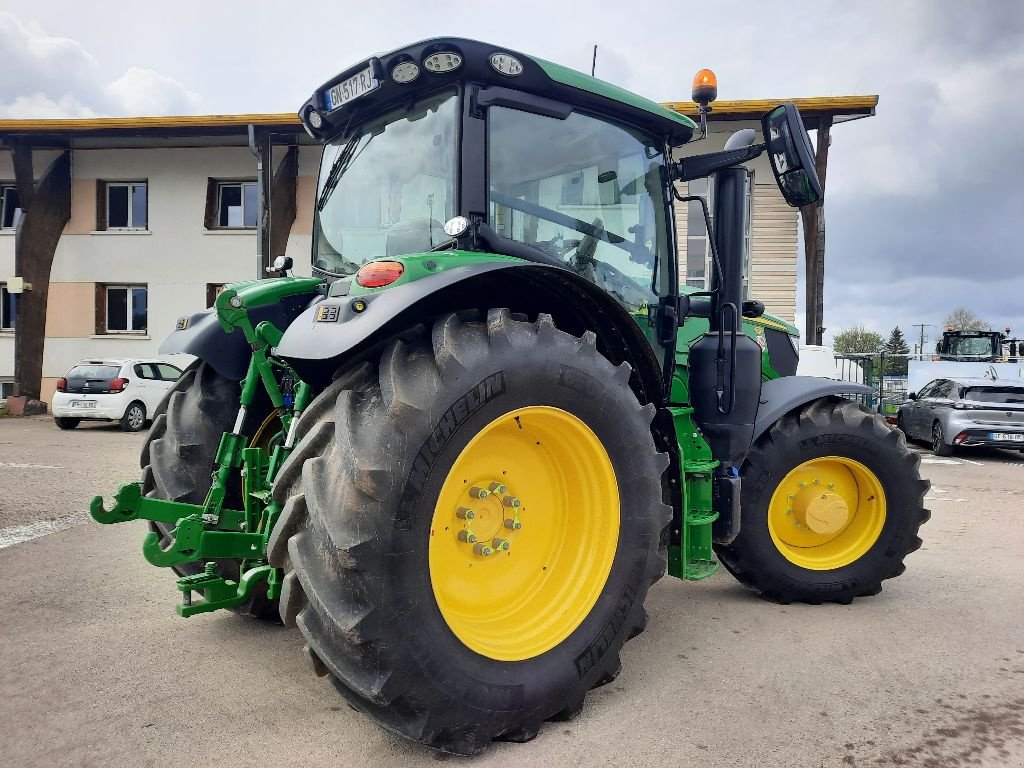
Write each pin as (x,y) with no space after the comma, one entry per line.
(211,204)
(101,309)
(101,205)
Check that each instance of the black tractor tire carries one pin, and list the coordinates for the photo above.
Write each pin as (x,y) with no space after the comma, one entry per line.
(823,428)
(177,460)
(353,536)
(134,417)
(938,441)
(66,422)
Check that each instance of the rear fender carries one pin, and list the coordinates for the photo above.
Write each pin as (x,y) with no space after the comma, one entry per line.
(202,335)
(783,395)
(323,338)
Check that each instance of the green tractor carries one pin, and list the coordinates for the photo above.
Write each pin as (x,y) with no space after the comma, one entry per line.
(459,455)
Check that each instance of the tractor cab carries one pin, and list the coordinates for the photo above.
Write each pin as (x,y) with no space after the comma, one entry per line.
(457,145)
(970,346)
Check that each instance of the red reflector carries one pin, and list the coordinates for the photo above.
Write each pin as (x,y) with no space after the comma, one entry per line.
(890,419)
(62,384)
(960,438)
(118,385)
(376,274)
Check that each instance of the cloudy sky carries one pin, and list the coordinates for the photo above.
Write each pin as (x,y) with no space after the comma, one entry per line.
(925,200)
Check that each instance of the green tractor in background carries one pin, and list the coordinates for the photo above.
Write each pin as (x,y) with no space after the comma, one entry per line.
(460,454)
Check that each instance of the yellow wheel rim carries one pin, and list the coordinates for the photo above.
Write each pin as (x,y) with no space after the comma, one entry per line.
(524,533)
(827,513)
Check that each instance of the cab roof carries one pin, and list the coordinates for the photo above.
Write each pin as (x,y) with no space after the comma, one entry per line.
(538,77)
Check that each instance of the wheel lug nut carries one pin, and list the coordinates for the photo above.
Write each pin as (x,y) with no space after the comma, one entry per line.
(467,537)
(511,501)
(479,493)
(483,550)
(500,544)
(515,525)
(496,488)
(464,513)
(791,496)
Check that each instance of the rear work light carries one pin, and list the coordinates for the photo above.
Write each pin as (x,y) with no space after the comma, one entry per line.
(377,274)
(118,385)
(62,384)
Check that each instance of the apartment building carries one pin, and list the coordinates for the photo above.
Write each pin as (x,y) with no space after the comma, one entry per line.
(164,212)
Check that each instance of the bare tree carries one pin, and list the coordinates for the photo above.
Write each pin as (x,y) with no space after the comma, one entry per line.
(963,319)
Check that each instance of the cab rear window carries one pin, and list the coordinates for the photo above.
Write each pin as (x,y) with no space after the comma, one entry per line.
(94,372)
(1000,395)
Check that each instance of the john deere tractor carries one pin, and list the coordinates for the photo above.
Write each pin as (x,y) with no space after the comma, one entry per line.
(458,456)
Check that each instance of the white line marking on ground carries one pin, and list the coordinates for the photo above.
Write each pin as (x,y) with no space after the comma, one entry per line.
(943,498)
(28,466)
(969,461)
(930,460)
(19,534)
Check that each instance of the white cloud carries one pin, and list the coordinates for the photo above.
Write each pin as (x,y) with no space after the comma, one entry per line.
(146,92)
(45,76)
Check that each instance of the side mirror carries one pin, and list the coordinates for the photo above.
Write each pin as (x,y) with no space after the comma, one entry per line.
(912,396)
(791,156)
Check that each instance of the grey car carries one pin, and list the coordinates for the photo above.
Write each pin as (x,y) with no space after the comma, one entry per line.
(964,412)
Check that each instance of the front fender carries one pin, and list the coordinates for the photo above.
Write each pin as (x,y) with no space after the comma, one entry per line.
(782,395)
(201,334)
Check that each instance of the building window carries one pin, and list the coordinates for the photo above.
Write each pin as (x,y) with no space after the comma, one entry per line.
(698,251)
(121,309)
(232,204)
(6,389)
(123,205)
(8,309)
(213,290)
(9,206)
(698,246)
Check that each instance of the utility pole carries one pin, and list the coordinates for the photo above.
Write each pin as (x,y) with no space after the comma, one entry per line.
(922,326)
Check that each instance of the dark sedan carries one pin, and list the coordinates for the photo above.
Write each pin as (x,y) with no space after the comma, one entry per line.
(964,412)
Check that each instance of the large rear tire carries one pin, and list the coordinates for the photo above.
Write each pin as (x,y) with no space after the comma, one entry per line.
(418,626)
(832,501)
(177,459)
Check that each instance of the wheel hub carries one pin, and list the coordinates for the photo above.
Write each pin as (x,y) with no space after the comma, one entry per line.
(823,513)
(489,519)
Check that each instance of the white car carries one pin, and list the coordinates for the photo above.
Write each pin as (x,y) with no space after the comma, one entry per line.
(112,390)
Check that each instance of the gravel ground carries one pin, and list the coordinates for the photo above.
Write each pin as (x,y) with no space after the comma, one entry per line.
(96,669)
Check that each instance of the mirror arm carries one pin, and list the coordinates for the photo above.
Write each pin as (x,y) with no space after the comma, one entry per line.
(699,166)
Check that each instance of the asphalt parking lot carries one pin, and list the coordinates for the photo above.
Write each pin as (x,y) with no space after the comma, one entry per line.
(96,669)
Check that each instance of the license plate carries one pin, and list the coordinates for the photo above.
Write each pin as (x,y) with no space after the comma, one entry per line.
(1008,437)
(358,85)
(83,403)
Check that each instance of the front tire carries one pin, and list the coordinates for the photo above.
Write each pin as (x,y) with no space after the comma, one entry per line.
(832,501)
(418,627)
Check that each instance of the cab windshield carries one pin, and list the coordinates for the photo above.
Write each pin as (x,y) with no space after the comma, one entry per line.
(588,192)
(387,188)
(971,346)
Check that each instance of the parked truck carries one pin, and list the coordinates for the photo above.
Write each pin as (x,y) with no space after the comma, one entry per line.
(458,456)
